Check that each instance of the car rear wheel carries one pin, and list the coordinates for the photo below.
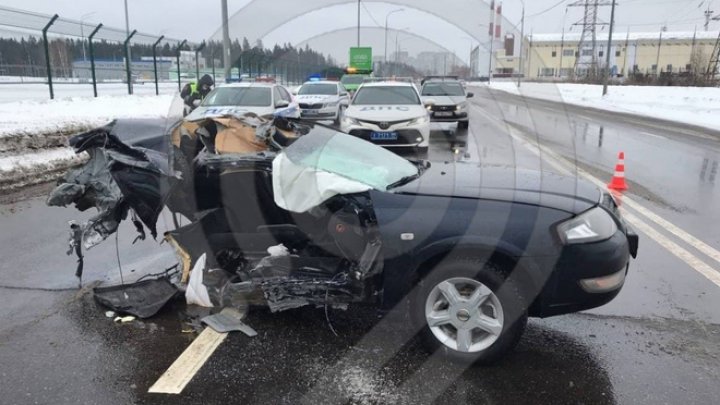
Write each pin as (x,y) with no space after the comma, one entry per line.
(469,311)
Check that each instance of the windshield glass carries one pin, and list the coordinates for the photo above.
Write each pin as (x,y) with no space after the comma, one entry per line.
(353,158)
(240,96)
(386,95)
(443,89)
(320,89)
(352,79)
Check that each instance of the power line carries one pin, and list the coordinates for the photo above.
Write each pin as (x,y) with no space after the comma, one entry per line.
(547,9)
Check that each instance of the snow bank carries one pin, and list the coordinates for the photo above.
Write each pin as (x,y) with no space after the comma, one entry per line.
(77,113)
(33,133)
(690,105)
(33,88)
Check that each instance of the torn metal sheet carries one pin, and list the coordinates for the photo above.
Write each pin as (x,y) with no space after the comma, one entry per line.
(229,320)
(142,299)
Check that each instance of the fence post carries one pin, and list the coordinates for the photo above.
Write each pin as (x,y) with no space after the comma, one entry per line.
(92,58)
(197,61)
(128,69)
(157,90)
(212,56)
(47,54)
(184,41)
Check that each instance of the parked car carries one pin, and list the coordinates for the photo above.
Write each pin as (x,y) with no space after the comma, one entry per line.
(390,114)
(322,100)
(262,99)
(448,101)
(312,216)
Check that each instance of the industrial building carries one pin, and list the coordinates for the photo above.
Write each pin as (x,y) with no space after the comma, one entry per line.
(548,56)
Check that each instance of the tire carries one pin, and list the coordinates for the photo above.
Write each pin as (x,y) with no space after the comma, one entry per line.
(503,311)
(463,124)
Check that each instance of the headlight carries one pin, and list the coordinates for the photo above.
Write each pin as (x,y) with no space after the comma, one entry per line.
(350,121)
(460,106)
(592,226)
(419,121)
(333,104)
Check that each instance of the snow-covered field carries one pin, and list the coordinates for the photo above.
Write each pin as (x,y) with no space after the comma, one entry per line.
(11,92)
(691,105)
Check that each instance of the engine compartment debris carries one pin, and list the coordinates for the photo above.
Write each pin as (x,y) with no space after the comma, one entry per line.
(277,216)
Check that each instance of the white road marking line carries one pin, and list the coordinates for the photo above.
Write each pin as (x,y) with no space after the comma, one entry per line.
(651,134)
(700,266)
(695,263)
(174,380)
(667,225)
(675,249)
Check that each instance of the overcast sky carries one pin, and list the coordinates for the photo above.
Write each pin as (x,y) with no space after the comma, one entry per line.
(199,19)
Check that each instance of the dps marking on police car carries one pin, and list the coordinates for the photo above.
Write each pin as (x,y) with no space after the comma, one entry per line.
(389,114)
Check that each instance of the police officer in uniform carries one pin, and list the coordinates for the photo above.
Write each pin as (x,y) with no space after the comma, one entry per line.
(194,92)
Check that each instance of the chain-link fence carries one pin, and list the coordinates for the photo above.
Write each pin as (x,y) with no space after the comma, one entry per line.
(66,57)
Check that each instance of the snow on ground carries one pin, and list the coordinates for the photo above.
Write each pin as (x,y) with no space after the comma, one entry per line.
(27,161)
(77,113)
(16,91)
(24,125)
(691,105)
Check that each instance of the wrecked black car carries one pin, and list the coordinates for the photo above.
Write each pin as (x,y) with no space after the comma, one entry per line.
(286,213)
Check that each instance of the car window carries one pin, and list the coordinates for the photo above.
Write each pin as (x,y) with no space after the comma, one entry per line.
(239,96)
(319,89)
(353,158)
(353,79)
(386,95)
(285,95)
(276,95)
(443,89)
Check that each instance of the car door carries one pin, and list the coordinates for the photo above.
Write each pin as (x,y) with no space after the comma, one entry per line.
(344,95)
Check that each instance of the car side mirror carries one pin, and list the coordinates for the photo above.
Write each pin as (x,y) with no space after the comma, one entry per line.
(470,95)
(429,102)
(282,104)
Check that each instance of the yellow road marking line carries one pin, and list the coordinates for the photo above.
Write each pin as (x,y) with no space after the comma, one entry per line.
(174,380)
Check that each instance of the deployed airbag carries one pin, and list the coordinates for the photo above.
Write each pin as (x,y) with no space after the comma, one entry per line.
(299,188)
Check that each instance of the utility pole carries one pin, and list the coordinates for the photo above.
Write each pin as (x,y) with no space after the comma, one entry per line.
(491,35)
(609,49)
(227,63)
(657,61)
(358,28)
(127,29)
(522,41)
(386,38)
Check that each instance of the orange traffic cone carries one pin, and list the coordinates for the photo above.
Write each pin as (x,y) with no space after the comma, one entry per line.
(618,180)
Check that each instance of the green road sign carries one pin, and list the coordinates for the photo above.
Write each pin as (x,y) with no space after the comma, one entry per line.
(361,58)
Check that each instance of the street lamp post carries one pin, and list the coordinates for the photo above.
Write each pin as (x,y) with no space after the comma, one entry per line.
(522,41)
(386,37)
(82,31)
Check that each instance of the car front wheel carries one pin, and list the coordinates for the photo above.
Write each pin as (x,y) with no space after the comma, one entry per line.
(469,311)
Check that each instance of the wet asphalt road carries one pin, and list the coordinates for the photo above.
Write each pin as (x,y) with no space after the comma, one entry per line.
(658,342)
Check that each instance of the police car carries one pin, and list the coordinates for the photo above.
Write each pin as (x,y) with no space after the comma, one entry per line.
(448,98)
(322,100)
(390,114)
(263,99)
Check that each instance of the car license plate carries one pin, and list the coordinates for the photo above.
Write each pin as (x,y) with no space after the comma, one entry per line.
(383,136)
(311,112)
(443,114)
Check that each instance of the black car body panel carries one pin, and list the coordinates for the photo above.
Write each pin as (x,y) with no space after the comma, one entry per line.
(504,183)
(370,246)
